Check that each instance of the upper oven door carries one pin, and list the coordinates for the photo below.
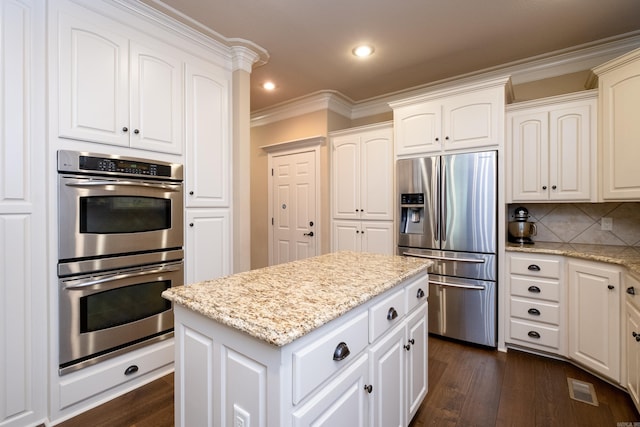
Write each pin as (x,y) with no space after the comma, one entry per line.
(106,216)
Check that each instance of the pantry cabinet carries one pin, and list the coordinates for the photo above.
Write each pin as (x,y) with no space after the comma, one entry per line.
(551,145)
(594,316)
(465,117)
(117,91)
(363,236)
(619,127)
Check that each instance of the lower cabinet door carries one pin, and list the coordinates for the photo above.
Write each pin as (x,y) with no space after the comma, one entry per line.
(417,352)
(387,379)
(343,402)
(633,353)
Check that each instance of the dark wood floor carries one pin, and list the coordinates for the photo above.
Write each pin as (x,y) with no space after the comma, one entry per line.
(468,386)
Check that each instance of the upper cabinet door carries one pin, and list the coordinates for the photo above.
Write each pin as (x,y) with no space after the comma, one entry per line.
(473,119)
(346,177)
(529,135)
(93,83)
(156,100)
(376,176)
(418,128)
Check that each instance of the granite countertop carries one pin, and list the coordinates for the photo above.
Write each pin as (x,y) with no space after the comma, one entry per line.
(627,256)
(282,303)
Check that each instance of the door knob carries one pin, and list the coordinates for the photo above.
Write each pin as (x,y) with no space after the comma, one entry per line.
(310,234)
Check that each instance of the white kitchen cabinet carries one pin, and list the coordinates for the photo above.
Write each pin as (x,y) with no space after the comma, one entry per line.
(362,173)
(536,308)
(619,127)
(23,278)
(594,316)
(552,149)
(460,118)
(631,338)
(363,236)
(208,159)
(114,90)
(207,244)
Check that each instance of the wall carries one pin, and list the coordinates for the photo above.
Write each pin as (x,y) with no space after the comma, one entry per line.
(580,222)
(318,123)
(568,83)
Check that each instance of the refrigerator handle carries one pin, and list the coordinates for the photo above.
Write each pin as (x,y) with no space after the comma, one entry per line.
(435,200)
(443,204)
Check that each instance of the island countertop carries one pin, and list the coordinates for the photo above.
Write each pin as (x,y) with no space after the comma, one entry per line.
(282,303)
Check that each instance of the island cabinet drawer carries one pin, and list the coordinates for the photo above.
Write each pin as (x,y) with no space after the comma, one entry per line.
(316,362)
(535,266)
(548,290)
(535,333)
(385,314)
(537,311)
(416,292)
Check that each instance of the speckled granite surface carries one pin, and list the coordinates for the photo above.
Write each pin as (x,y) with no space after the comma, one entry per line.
(627,256)
(282,303)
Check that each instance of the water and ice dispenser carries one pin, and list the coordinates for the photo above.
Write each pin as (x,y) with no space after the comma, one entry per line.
(412,213)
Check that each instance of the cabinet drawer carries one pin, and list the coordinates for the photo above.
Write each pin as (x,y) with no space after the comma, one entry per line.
(315,363)
(535,311)
(537,267)
(535,288)
(387,313)
(417,292)
(535,333)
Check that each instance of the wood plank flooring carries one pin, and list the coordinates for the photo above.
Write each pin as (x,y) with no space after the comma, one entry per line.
(468,386)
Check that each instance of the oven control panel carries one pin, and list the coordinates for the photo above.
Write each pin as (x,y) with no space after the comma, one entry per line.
(103,164)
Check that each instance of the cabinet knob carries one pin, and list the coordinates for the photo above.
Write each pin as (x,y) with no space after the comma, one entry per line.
(437,139)
(636,336)
(407,347)
(412,341)
(368,388)
(534,289)
(136,131)
(191,193)
(190,224)
(420,293)
(446,138)
(125,129)
(631,290)
(610,287)
(544,187)
(534,334)
(553,187)
(534,312)
(341,352)
(392,314)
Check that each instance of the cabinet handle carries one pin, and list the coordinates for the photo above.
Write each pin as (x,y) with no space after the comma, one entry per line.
(533,267)
(412,341)
(544,187)
(534,334)
(631,290)
(553,187)
(420,293)
(534,312)
(392,314)
(368,388)
(341,352)
(357,231)
(446,138)
(136,131)
(125,129)
(191,193)
(131,370)
(407,347)
(610,287)
(190,224)
(534,289)
(437,139)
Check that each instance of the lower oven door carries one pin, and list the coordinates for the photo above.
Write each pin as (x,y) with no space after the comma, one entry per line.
(463,309)
(104,314)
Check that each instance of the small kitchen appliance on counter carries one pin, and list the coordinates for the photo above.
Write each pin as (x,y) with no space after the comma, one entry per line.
(520,230)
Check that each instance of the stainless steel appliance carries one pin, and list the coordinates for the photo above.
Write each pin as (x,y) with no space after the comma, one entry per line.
(448,213)
(520,230)
(120,246)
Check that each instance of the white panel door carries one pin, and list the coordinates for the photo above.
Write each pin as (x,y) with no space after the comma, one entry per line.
(294,206)
(376,175)
(93,83)
(530,157)
(346,177)
(388,380)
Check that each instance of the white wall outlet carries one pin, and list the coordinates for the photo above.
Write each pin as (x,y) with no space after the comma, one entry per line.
(606,223)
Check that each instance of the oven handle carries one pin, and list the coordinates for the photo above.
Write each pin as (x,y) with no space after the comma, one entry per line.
(451,285)
(106,279)
(445,258)
(170,187)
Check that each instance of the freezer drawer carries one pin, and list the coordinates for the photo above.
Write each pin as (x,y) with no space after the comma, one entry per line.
(463,309)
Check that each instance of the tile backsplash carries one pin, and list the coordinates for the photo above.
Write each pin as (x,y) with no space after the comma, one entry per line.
(581,222)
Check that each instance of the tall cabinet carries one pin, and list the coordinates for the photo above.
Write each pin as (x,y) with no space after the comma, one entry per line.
(362,178)
(23,280)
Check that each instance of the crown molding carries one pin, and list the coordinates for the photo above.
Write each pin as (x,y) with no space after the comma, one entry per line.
(295,144)
(552,64)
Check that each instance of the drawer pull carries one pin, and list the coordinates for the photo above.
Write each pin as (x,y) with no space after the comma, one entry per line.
(420,293)
(368,388)
(131,370)
(534,312)
(341,352)
(533,267)
(534,334)
(534,289)
(631,290)
(392,314)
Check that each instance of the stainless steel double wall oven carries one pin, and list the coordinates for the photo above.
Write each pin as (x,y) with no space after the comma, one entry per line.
(120,246)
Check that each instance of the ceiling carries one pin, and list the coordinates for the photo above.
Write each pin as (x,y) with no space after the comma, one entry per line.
(416,42)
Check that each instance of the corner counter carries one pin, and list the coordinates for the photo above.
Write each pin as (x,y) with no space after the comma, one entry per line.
(303,342)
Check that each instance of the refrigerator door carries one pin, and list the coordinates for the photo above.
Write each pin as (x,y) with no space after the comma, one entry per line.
(469,211)
(419,226)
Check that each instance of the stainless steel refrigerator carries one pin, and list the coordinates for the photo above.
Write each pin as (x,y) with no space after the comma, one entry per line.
(448,213)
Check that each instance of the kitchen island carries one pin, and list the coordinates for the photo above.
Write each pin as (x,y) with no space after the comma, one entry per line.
(338,339)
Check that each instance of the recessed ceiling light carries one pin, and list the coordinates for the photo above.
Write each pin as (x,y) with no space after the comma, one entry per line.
(363,50)
(269,86)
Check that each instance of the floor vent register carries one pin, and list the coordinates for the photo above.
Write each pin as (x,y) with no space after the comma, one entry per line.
(582,391)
